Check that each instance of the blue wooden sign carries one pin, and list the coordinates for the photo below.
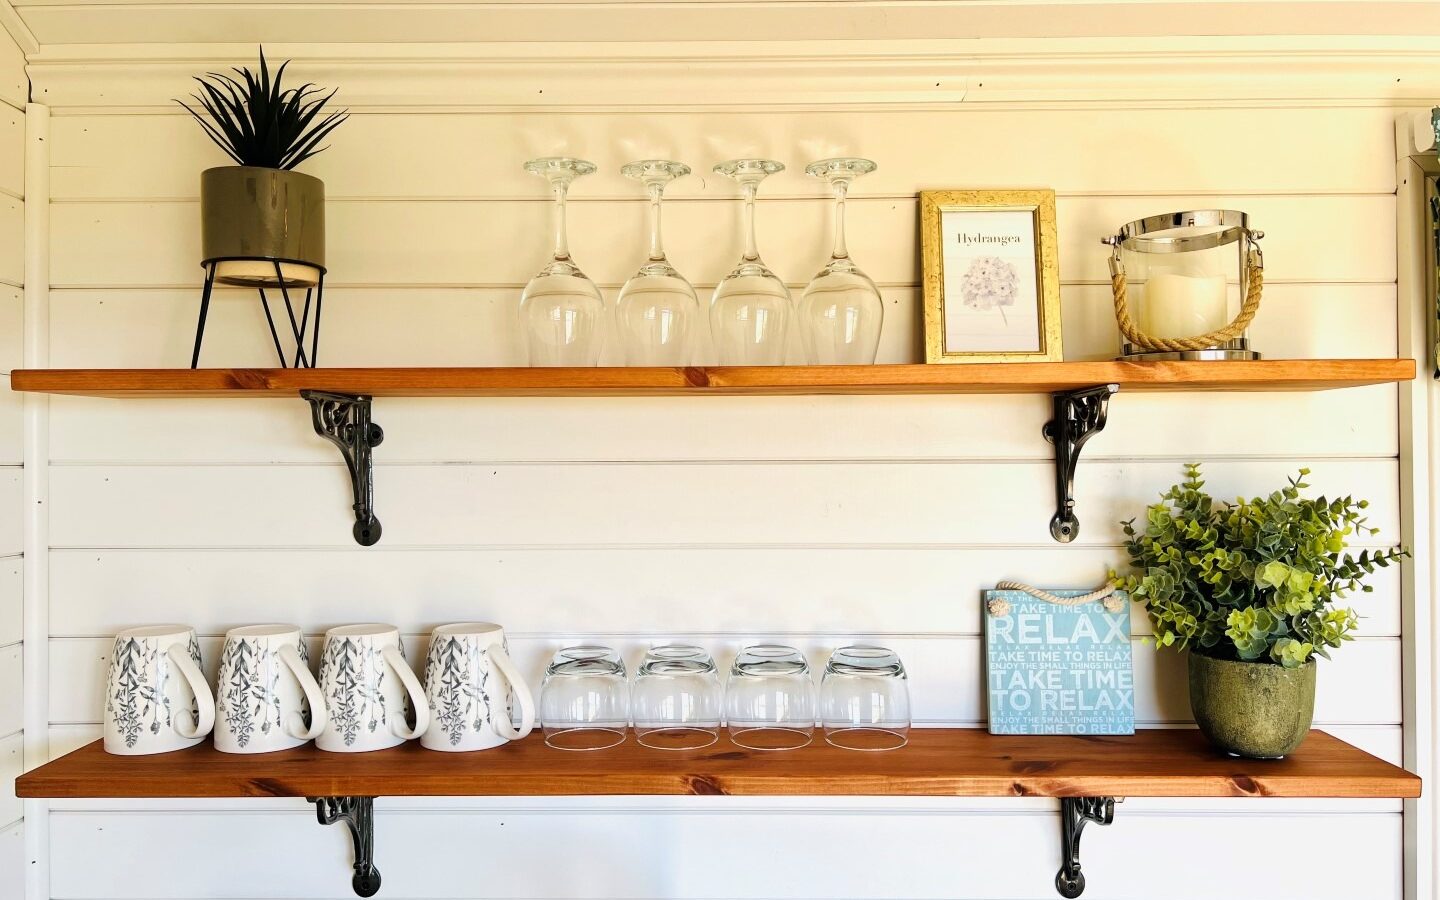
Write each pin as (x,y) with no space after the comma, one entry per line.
(1056,669)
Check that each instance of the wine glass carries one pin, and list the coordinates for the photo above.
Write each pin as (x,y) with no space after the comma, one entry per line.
(841,311)
(657,308)
(751,308)
(561,311)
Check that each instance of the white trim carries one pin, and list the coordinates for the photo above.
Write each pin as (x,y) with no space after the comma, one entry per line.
(37,486)
(19,32)
(750,76)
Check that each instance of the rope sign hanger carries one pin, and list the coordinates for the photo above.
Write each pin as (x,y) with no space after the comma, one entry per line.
(1001,607)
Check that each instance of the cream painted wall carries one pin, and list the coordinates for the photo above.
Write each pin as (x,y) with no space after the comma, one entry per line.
(814,520)
(12,255)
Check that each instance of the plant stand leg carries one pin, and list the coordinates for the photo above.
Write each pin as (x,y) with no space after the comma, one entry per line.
(344,420)
(358,814)
(1074,813)
(1075,416)
(204,311)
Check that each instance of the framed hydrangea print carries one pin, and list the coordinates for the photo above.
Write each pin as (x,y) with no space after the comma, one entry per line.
(992,279)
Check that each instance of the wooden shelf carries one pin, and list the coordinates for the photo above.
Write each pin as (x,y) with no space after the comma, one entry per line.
(979,378)
(938,762)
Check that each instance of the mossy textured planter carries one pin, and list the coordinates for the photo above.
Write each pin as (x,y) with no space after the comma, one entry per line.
(1254,709)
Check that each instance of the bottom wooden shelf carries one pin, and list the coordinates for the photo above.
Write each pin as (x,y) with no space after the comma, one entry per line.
(953,762)
(1086,773)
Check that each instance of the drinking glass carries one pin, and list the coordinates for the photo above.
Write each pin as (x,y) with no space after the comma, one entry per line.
(561,311)
(657,308)
(770,699)
(584,699)
(865,700)
(677,698)
(750,311)
(841,311)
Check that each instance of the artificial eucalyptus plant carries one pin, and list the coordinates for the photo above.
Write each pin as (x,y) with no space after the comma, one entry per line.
(259,122)
(1254,580)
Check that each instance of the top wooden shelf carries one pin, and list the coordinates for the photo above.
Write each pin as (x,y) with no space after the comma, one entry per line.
(946,762)
(978,378)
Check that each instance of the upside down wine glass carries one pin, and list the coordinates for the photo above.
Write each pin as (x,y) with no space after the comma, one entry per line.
(561,311)
(841,311)
(751,308)
(657,307)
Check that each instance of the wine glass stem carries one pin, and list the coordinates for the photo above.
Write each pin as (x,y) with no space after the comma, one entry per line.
(751,253)
(657,249)
(559,187)
(840,251)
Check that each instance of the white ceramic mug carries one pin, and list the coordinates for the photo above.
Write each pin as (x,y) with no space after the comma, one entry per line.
(265,694)
(471,686)
(369,689)
(156,697)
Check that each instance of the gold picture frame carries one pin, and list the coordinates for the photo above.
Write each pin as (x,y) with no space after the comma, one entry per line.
(976,327)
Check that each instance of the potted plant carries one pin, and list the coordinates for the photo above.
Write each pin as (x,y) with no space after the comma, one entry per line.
(1252,590)
(260,212)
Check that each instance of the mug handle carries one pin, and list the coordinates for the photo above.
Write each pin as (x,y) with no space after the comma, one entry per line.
(180,656)
(511,675)
(319,716)
(416,692)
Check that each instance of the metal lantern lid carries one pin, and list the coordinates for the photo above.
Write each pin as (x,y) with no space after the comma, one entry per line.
(1177,232)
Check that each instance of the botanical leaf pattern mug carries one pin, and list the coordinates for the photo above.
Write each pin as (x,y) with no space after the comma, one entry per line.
(265,697)
(369,690)
(156,697)
(471,685)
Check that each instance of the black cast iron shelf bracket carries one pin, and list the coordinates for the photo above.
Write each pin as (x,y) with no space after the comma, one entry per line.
(358,815)
(1074,417)
(344,420)
(1074,813)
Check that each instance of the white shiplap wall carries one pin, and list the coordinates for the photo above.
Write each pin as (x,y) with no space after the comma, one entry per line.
(815,520)
(12,256)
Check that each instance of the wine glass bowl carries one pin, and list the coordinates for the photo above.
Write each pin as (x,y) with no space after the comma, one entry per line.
(751,308)
(561,310)
(841,311)
(657,308)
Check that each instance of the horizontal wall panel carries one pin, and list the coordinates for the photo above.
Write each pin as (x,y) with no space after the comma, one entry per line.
(505,242)
(680,855)
(479,327)
(12,509)
(892,591)
(11,700)
(12,242)
(449,156)
(14,85)
(12,144)
(12,763)
(675,505)
(12,431)
(1301,426)
(946,674)
(12,571)
(13,865)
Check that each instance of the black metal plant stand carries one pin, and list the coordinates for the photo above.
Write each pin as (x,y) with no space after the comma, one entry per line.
(358,814)
(1074,813)
(1075,417)
(299,328)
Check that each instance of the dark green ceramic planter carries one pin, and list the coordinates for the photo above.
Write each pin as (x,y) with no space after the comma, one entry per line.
(1254,709)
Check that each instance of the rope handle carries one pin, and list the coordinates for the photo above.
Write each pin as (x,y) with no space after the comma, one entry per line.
(1109,599)
(1254,285)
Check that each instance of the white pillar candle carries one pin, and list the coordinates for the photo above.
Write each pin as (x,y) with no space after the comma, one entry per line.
(1182,306)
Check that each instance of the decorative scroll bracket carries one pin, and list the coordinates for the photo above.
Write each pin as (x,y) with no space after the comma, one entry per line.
(344,420)
(358,814)
(1075,416)
(1074,813)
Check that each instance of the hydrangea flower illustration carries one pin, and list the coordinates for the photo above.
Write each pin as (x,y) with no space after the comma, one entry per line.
(989,283)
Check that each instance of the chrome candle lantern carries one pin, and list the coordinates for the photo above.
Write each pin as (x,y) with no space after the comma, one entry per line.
(1186,285)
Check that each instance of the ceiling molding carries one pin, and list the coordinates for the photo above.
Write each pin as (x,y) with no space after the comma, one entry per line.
(1397,71)
(17,29)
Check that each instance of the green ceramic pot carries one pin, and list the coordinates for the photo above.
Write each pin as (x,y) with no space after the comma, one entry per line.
(1254,709)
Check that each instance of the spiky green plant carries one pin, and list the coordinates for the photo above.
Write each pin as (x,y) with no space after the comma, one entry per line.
(259,122)
(1253,580)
